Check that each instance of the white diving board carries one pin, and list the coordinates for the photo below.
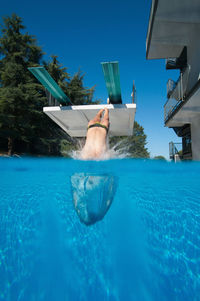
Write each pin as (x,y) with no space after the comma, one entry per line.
(74,119)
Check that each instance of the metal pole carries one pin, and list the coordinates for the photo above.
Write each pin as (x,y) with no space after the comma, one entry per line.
(181,83)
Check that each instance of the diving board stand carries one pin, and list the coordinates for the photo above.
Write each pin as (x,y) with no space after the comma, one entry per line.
(74,119)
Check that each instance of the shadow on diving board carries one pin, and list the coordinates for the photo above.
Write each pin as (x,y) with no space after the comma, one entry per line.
(74,119)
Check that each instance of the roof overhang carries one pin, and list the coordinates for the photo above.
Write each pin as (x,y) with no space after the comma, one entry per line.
(172,25)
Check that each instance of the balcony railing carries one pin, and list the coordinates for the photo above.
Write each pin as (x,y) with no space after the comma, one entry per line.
(176,93)
(171,85)
(175,149)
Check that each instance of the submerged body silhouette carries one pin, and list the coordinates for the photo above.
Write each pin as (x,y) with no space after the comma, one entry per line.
(92,196)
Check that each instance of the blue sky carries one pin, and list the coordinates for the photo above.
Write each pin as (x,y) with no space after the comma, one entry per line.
(84,33)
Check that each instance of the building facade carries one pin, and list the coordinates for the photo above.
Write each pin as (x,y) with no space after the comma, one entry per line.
(173,35)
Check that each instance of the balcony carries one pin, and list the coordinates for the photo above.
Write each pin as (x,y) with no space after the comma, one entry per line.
(176,93)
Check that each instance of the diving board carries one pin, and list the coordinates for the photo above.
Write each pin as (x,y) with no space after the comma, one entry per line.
(74,119)
(112,80)
(49,83)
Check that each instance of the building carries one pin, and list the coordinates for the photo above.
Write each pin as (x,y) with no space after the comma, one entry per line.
(173,34)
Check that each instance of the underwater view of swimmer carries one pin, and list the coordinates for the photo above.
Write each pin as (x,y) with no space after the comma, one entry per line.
(92,196)
(96,140)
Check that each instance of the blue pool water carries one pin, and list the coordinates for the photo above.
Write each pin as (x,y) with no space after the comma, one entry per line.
(147,246)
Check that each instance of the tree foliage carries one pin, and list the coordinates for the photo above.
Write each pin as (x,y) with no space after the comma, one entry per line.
(58,72)
(23,126)
(72,86)
(159,157)
(21,99)
(77,93)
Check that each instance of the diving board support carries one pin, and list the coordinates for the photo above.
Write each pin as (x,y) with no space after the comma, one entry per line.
(74,119)
(112,79)
(49,83)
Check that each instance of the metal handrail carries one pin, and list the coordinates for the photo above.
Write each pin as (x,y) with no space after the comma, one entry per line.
(174,149)
(177,94)
(171,85)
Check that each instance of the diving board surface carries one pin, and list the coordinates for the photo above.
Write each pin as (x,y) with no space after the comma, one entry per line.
(49,83)
(112,80)
(74,119)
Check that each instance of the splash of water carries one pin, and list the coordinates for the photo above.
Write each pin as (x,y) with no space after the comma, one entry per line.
(119,150)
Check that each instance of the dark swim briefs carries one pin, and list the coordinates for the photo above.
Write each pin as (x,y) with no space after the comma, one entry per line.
(97,124)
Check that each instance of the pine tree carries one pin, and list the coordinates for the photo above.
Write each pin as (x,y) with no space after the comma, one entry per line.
(59,73)
(23,125)
(21,97)
(78,94)
(72,86)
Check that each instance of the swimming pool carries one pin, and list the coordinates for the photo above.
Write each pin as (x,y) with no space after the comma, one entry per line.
(147,246)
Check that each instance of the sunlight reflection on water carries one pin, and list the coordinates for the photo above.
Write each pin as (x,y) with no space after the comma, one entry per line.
(145,248)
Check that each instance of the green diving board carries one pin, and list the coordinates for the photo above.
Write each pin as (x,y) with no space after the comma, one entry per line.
(111,76)
(49,83)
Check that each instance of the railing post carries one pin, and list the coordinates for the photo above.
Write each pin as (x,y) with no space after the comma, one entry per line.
(181,85)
